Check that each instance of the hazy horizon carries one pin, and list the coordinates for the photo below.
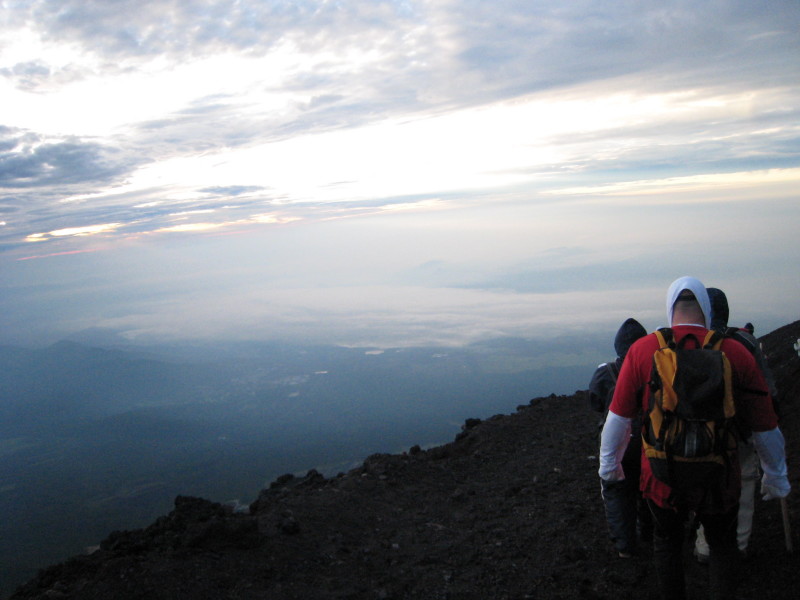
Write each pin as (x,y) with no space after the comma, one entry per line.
(393,173)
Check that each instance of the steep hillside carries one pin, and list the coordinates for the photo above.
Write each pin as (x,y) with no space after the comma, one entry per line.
(509,509)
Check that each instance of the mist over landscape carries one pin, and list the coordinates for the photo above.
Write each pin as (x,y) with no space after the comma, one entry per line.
(96,439)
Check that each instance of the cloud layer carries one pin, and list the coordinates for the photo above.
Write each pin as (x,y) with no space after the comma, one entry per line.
(328,157)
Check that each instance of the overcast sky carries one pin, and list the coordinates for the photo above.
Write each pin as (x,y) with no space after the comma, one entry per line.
(393,172)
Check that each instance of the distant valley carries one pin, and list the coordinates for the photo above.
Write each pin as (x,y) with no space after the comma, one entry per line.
(98,439)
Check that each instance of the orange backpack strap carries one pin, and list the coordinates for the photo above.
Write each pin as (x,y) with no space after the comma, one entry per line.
(713,340)
(665,337)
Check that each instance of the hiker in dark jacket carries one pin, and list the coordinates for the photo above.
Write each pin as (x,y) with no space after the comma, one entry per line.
(748,459)
(626,511)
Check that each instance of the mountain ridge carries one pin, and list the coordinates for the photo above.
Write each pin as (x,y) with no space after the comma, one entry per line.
(509,509)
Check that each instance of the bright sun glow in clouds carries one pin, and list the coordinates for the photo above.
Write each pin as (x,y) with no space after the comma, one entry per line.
(520,153)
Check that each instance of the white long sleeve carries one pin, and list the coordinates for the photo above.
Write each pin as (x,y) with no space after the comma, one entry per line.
(770,448)
(613,443)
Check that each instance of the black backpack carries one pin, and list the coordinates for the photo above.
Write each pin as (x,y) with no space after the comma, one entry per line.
(602,385)
(688,434)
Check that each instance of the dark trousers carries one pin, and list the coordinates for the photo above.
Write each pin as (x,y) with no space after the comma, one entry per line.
(626,510)
(668,545)
(619,501)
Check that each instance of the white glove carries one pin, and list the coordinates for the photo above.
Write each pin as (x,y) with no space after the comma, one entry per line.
(613,443)
(774,486)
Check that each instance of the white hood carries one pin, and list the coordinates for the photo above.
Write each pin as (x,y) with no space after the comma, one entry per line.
(699,291)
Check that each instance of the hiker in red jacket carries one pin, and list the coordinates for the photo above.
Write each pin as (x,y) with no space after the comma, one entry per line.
(688,312)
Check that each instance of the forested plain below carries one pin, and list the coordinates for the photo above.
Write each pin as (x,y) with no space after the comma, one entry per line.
(97,439)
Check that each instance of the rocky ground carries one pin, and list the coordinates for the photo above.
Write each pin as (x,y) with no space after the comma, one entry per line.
(509,509)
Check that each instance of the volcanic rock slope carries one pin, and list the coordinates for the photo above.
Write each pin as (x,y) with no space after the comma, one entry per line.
(509,509)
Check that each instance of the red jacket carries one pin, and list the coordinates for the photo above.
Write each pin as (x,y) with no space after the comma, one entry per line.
(753,403)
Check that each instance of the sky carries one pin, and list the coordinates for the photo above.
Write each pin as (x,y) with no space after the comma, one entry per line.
(393,173)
